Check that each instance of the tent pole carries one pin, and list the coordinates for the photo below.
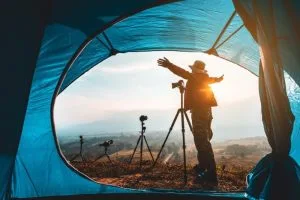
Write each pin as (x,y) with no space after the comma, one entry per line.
(224,29)
(232,34)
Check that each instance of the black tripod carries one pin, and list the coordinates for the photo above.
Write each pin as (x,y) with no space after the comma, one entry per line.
(105,144)
(80,151)
(183,114)
(141,139)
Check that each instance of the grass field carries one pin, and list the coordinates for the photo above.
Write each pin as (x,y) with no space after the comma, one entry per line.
(234,162)
(162,176)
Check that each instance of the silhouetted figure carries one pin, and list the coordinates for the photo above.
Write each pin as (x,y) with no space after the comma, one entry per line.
(199,99)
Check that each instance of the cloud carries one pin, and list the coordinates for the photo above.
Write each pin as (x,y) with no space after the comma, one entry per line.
(72,108)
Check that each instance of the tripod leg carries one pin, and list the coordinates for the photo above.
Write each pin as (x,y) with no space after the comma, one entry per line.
(183,144)
(81,156)
(149,148)
(174,120)
(98,158)
(72,159)
(189,122)
(135,149)
(80,152)
(141,151)
(108,158)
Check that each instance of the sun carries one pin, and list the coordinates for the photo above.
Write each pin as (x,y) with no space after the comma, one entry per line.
(219,91)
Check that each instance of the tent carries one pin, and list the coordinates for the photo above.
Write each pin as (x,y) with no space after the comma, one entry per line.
(46,45)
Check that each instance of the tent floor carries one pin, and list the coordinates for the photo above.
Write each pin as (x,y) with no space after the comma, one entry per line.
(151,196)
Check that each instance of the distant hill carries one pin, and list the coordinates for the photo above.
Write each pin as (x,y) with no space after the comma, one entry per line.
(231,121)
(260,141)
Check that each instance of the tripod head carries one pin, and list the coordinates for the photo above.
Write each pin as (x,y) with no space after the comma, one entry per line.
(141,140)
(142,119)
(107,143)
(81,139)
(180,85)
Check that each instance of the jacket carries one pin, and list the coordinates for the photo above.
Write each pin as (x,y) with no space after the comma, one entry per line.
(198,92)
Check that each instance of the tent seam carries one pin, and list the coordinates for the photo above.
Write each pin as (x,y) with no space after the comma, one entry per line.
(107,47)
(30,179)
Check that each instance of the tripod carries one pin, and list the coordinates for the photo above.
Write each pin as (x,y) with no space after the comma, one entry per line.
(80,151)
(142,137)
(105,154)
(183,115)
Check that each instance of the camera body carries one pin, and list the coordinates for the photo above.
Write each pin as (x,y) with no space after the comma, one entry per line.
(178,84)
(107,143)
(143,118)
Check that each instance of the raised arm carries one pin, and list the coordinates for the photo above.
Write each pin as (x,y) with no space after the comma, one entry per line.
(173,68)
(212,80)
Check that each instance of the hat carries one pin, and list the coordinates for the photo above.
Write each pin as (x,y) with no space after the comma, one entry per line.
(198,66)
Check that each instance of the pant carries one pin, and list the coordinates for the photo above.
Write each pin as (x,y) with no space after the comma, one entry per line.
(201,119)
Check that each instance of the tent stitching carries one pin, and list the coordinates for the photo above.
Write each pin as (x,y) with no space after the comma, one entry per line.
(113,51)
(107,47)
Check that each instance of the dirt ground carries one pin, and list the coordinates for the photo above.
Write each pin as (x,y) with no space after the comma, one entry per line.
(231,175)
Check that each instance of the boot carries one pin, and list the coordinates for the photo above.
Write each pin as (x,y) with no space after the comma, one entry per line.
(198,169)
(208,177)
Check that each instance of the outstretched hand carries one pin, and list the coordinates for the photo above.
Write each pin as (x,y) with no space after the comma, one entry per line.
(163,62)
(221,78)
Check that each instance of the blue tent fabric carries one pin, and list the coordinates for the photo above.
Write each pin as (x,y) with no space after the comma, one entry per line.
(64,39)
(293,92)
(274,179)
(193,29)
(267,20)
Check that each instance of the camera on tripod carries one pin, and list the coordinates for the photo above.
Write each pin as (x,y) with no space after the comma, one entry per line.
(143,118)
(182,112)
(178,84)
(107,143)
(141,140)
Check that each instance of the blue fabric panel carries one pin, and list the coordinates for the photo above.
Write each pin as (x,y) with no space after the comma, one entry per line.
(194,27)
(274,179)
(89,17)
(245,54)
(39,170)
(94,53)
(293,92)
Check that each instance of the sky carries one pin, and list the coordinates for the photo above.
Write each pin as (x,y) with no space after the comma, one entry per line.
(111,96)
